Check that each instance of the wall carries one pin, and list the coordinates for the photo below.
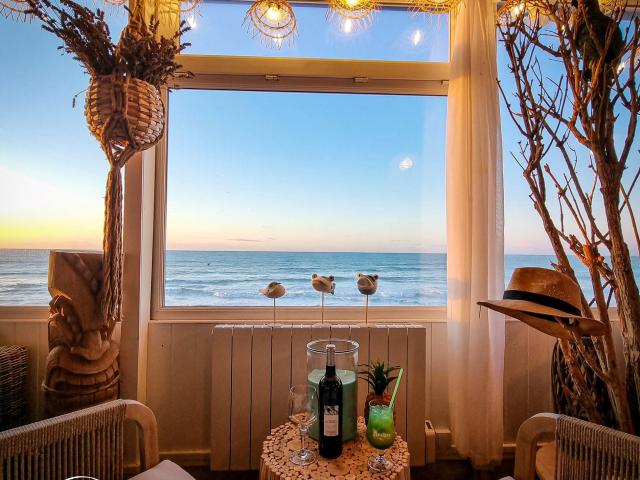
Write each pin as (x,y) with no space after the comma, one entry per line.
(179,372)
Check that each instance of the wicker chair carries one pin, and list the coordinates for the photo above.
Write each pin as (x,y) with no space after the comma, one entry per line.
(581,450)
(88,442)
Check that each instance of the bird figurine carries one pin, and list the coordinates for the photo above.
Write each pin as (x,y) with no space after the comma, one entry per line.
(273,290)
(592,29)
(367,284)
(323,284)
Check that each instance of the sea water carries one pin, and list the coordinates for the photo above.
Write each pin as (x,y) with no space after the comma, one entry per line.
(349,402)
(199,278)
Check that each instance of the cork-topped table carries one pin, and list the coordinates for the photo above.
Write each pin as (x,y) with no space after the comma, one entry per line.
(351,465)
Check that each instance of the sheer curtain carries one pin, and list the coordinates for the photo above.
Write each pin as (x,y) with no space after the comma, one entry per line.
(475,263)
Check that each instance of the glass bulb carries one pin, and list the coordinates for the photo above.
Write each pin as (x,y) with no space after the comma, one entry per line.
(274,13)
(517,10)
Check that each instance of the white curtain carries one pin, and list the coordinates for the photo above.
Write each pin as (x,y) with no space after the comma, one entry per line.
(475,264)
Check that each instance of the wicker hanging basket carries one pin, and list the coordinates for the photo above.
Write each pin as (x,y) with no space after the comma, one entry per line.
(126,115)
(123,111)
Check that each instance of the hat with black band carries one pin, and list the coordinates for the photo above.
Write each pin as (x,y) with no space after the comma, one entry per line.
(548,301)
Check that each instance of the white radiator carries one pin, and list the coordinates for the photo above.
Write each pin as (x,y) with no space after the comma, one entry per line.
(253,367)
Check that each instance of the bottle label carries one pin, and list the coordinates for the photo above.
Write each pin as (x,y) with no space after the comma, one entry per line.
(331,419)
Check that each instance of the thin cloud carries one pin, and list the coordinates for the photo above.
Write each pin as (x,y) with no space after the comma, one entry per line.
(252,240)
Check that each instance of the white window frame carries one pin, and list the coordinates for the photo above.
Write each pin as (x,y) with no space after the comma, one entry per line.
(289,75)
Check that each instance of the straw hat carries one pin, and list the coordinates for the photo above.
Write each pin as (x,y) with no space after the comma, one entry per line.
(273,290)
(324,284)
(548,301)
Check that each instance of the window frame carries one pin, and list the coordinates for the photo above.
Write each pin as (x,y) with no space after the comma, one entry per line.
(216,72)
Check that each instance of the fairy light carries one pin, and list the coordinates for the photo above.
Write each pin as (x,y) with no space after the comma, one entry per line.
(517,10)
(621,67)
(191,21)
(348,26)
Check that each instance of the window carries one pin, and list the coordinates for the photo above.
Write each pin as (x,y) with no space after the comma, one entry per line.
(266,186)
(52,172)
(277,167)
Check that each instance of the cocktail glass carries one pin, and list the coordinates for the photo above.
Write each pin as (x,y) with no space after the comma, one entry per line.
(303,405)
(381,433)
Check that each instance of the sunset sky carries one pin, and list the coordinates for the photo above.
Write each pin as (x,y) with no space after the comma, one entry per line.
(248,171)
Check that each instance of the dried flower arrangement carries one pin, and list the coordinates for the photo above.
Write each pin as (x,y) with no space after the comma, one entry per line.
(139,53)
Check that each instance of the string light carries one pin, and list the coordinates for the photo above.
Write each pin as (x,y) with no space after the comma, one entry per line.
(273,20)
(517,10)
(435,7)
(353,14)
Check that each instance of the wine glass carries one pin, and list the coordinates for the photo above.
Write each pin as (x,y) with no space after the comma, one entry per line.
(302,399)
(381,433)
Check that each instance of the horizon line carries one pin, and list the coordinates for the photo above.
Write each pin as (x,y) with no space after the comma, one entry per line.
(281,251)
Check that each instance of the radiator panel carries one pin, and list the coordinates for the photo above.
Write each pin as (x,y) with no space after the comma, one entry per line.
(253,367)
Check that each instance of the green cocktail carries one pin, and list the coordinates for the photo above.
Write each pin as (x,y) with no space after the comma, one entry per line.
(381,433)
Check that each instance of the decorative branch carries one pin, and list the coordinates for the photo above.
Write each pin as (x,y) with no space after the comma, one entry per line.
(550,112)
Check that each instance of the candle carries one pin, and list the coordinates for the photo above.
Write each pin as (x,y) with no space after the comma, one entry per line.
(349,401)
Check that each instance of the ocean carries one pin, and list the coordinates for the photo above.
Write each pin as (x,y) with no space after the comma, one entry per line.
(199,278)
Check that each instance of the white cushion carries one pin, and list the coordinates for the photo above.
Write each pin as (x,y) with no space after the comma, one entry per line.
(165,470)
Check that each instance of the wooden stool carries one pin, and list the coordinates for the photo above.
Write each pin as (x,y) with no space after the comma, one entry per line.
(351,465)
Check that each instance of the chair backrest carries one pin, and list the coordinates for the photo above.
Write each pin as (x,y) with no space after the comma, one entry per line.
(585,450)
(87,442)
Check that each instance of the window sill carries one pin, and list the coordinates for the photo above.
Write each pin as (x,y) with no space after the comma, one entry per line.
(300,315)
(24,312)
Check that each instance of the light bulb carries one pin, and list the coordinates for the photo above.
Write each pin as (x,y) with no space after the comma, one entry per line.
(353,3)
(348,26)
(191,21)
(274,13)
(621,67)
(517,10)
(416,37)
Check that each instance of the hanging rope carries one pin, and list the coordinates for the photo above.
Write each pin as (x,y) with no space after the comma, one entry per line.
(126,116)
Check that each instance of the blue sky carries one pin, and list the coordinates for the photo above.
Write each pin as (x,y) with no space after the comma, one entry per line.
(248,171)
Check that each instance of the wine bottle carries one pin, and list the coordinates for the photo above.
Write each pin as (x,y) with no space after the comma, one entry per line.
(330,408)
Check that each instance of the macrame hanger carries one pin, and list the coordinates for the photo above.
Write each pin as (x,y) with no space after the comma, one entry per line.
(118,152)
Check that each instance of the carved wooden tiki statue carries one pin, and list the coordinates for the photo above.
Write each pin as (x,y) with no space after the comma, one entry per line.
(82,365)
